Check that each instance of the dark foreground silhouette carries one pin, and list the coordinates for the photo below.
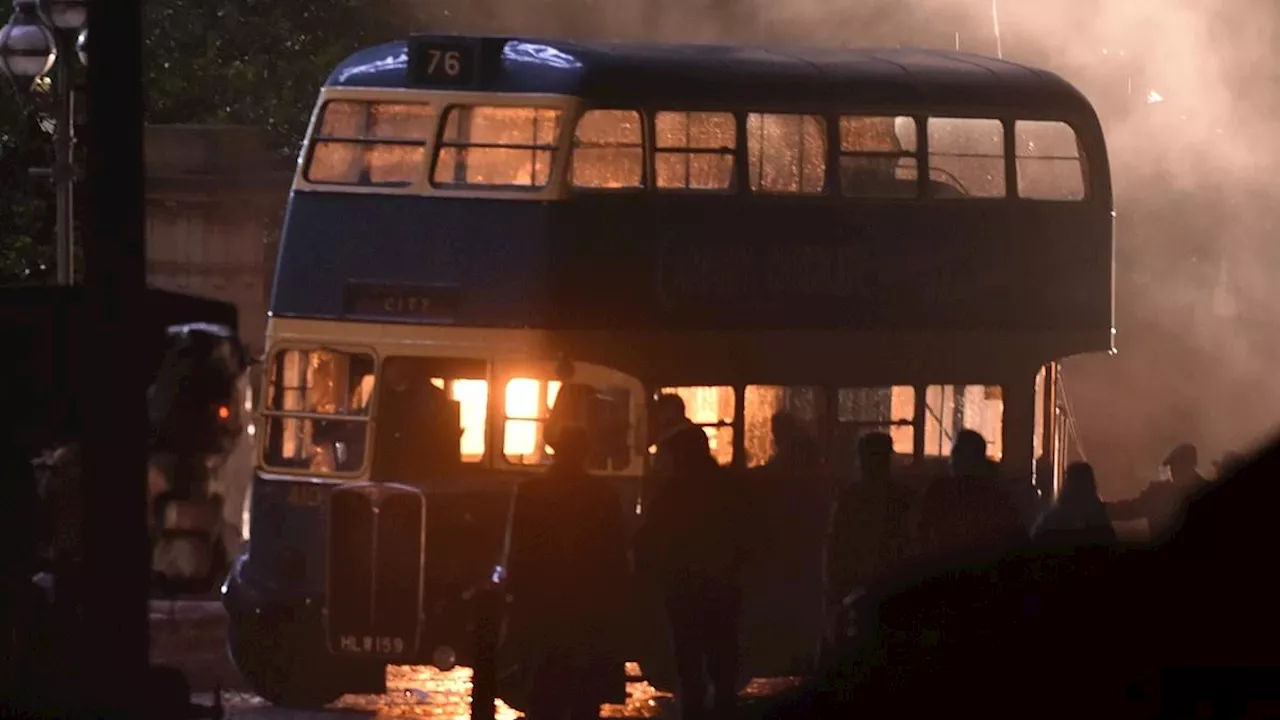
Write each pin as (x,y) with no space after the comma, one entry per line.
(1185,629)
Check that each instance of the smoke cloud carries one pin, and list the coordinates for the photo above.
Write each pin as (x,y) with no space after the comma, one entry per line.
(1188,94)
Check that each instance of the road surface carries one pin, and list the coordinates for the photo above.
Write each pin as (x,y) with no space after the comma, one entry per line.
(421,691)
(191,636)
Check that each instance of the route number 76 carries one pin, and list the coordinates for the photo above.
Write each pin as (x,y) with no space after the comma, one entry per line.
(447,60)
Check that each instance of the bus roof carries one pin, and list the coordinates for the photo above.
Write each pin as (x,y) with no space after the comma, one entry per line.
(632,74)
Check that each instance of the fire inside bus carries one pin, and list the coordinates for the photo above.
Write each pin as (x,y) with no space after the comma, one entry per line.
(806,245)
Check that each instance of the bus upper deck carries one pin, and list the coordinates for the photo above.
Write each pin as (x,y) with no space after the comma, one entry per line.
(633,198)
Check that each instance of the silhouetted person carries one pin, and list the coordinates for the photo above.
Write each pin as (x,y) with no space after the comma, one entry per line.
(670,424)
(794,446)
(418,429)
(872,175)
(694,541)
(969,512)
(1079,517)
(1162,502)
(869,538)
(569,574)
(785,605)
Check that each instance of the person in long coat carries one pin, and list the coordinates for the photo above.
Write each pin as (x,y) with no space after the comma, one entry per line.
(1079,517)
(568,575)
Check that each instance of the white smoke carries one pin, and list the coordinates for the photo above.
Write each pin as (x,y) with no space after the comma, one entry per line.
(1189,95)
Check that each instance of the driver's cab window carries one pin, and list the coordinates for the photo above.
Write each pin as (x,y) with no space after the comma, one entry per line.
(952,408)
(316,410)
(710,407)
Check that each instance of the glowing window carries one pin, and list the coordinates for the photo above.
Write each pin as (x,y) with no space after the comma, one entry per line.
(878,157)
(712,409)
(786,153)
(317,410)
(370,143)
(1049,162)
(968,155)
(781,424)
(694,150)
(860,411)
(951,408)
(485,146)
(472,397)
(608,150)
(528,402)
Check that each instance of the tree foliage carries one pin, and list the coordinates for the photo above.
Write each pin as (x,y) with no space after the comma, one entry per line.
(26,203)
(251,62)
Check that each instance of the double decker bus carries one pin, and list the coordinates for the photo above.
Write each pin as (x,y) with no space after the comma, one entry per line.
(804,244)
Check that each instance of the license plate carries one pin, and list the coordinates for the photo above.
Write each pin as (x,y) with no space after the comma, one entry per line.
(371,645)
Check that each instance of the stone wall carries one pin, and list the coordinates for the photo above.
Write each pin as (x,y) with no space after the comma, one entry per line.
(215,195)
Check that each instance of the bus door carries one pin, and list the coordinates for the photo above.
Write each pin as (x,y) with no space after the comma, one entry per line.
(1050,435)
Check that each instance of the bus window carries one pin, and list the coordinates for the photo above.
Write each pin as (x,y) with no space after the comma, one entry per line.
(497,147)
(877,157)
(786,153)
(527,403)
(317,410)
(608,150)
(1048,161)
(951,408)
(967,154)
(712,409)
(604,412)
(694,150)
(370,143)
(885,409)
(769,411)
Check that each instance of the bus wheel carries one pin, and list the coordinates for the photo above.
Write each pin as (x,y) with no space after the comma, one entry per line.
(280,664)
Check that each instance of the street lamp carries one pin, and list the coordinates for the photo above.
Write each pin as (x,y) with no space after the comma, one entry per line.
(40,37)
(27,48)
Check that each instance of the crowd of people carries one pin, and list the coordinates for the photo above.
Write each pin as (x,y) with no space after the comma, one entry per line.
(570,580)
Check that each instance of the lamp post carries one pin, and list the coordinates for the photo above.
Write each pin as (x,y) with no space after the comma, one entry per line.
(44,35)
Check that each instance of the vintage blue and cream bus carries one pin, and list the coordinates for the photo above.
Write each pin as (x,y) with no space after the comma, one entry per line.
(804,244)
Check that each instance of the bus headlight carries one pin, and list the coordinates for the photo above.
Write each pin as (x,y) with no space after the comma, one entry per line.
(444,658)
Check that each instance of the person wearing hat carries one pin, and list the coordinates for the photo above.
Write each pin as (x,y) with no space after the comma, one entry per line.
(568,575)
(1162,503)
